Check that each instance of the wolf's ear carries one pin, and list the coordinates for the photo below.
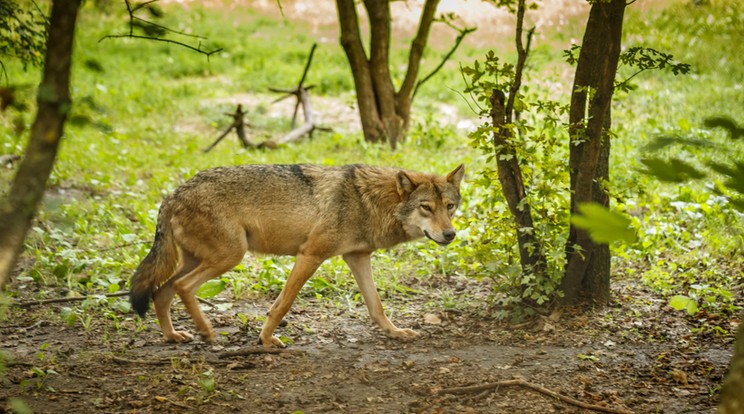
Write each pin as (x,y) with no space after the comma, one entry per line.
(455,177)
(405,184)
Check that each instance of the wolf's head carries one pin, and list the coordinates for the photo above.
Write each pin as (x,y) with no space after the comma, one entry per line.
(429,203)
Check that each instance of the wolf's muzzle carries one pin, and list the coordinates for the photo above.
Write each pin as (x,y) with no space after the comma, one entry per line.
(448,235)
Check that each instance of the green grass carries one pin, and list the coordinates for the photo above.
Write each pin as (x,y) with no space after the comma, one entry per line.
(155,106)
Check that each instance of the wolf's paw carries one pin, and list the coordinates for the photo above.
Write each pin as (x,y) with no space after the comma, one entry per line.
(403,334)
(179,336)
(272,342)
(208,337)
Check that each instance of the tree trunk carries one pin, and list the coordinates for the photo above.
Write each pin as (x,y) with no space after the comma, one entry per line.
(384,113)
(351,41)
(532,259)
(732,398)
(588,263)
(53,100)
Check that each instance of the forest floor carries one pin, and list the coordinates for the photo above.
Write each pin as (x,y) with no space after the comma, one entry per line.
(637,355)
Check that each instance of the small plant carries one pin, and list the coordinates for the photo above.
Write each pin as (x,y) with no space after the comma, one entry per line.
(585,357)
(206,382)
(705,297)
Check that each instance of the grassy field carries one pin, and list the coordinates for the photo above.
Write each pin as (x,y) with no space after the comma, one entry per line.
(145,110)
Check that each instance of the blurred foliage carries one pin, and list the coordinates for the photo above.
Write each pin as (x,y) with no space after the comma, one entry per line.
(23,33)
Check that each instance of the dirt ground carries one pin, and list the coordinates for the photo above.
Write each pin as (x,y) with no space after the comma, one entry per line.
(636,355)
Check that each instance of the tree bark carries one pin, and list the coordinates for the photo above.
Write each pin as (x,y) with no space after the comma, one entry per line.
(53,100)
(384,113)
(732,398)
(379,58)
(588,263)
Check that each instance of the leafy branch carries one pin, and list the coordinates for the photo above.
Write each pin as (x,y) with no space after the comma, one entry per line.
(153,31)
(23,33)
(642,58)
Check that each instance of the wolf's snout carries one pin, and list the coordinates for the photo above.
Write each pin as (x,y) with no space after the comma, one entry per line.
(449,235)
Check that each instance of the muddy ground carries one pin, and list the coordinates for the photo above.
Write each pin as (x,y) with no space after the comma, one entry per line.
(637,355)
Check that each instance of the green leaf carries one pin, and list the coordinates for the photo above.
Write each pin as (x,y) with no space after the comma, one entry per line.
(123,306)
(19,406)
(603,225)
(68,316)
(113,288)
(734,175)
(726,123)
(674,170)
(212,288)
(585,357)
(682,302)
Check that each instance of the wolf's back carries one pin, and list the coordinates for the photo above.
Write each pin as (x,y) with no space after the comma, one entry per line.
(157,266)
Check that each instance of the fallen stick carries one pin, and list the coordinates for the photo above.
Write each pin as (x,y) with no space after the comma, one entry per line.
(31,303)
(534,387)
(239,125)
(125,361)
(176,403)
(258,351)
(169,361)
(303,98)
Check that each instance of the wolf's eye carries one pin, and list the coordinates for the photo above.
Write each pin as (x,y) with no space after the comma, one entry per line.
(426,208)
(450,206)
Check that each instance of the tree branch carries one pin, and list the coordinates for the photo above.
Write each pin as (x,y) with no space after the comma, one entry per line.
(458,40)
(131,10)
(133,36)
(620,84)
(167,29)
(522,53)
(417,47)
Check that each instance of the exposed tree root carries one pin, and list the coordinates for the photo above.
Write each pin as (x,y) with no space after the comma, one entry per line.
(522,383)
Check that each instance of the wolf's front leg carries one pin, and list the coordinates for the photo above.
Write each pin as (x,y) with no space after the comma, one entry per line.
(304,267)
(361,267)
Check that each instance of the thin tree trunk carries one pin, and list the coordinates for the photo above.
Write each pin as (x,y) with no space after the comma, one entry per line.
(404,97)
(379,58)
(351,42)
(17,210)
(587,263)
(385,113)
(531,254)
(512,185)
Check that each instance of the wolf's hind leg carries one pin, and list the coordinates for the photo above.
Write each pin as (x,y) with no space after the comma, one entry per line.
(304,267)
(163,297)
(186,287)
(361,267)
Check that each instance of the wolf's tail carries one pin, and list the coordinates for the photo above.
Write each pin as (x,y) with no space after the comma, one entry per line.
(157,266)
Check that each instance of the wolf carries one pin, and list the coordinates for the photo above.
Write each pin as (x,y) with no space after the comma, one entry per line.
(312,212)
